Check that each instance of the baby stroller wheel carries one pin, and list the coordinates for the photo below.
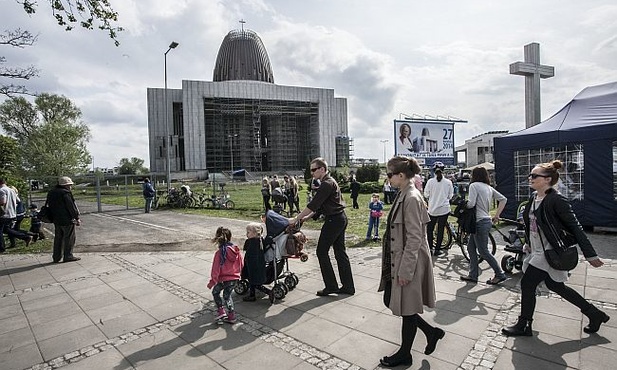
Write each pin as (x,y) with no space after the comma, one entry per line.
(279,291)
(507,263)
(304,257)
(241,287)
(290,282)
(296,278)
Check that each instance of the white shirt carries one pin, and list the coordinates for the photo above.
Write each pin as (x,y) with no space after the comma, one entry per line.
(10,198)
(438,194)
(480,196)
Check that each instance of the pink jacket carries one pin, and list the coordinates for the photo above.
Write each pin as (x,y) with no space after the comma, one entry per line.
(230,269)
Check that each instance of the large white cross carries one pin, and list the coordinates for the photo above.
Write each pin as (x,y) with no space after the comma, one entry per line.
(533,72)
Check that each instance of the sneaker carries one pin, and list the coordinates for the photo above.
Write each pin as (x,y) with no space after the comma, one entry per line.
(231,317)
(220,313)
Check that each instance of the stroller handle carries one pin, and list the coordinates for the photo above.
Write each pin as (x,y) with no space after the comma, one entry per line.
(510,221)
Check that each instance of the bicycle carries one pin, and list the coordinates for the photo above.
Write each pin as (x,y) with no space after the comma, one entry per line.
(453,234)
(222,201)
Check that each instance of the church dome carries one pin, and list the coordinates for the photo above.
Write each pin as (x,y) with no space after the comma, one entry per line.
(243,56)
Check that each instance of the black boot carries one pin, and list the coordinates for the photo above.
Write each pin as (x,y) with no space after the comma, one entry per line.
(596,318)
(522,328)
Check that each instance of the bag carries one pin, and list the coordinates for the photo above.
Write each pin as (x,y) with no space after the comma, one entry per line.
(45,214)
(466,217)
(376,214)
(562,259)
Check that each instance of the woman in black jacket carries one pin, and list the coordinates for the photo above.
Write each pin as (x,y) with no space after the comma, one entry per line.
(548,218)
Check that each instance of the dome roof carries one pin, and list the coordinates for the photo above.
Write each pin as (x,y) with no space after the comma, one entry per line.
(243,56)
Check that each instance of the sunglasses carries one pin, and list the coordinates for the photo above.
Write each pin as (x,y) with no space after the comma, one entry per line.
(315,169)
(390,174)
(536,175)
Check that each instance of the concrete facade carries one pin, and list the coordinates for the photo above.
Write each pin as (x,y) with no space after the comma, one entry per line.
(479,149)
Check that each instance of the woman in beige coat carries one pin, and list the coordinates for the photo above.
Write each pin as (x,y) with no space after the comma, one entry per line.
(407,268)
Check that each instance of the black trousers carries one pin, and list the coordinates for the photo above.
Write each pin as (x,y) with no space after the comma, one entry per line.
(534,276)
(333,235)
(440,221)
(64,241)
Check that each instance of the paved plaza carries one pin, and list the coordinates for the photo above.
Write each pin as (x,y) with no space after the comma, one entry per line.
(131,304)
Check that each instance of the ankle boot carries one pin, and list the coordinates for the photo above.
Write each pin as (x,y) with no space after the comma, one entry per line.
(596,318)
(521,328)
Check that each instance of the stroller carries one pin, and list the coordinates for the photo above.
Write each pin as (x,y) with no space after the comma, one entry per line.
(281,243)
(515,240)
(280,201)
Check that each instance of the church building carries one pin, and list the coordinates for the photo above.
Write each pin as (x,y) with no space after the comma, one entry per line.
(243,120)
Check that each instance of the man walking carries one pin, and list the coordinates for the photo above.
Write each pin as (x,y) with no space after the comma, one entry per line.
(8,202)
(65,216)
(329,202)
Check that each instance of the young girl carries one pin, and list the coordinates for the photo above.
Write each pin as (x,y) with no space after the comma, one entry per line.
(226,269)
(254,262)
(376,207)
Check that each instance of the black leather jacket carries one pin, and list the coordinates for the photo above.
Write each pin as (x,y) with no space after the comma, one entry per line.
(558,222)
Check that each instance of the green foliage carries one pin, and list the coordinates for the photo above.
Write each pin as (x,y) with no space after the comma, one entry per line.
(133,166)
(365,187)
(88,13)
(52,139)
(368,173)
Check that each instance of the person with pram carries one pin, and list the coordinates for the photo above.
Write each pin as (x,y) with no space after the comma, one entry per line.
(329,201)
(254,270)
(226,271)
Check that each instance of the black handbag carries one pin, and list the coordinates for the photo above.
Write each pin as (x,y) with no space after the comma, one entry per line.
(466,217)
(563,259)
(45,214)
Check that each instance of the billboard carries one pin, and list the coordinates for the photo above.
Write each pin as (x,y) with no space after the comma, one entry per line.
(426,140)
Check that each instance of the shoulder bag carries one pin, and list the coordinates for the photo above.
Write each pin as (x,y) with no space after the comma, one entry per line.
(563,258)
(45,214)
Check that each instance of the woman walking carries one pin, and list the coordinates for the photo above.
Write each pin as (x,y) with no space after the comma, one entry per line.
(407,268)
(438,192)
(548,215)
(481,196)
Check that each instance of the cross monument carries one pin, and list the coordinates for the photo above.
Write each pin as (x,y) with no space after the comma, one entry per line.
(533,72)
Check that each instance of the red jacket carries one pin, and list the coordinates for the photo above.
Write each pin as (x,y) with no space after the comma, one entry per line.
(230,269)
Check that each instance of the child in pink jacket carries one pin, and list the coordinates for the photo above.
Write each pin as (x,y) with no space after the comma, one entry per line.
(226,270)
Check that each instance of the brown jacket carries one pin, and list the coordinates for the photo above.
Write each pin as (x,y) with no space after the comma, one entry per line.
(410,255)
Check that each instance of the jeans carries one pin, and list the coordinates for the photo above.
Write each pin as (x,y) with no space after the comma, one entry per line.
(534,276)
(7,227)
(333,235)
(226,287)
(372,221)
(148,204)
(478,243)
(441,222)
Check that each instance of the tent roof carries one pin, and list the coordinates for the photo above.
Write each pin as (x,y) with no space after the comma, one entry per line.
(591,114)
(488,165)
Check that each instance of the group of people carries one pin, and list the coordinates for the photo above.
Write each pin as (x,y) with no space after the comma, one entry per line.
(286,194)
(407,280)
(63,212)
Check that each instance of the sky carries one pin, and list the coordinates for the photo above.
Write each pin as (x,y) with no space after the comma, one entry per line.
(389,58)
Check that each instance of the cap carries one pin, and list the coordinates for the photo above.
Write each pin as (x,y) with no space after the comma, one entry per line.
(64,180)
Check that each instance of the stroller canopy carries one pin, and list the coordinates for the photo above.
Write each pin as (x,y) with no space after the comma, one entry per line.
(275,223)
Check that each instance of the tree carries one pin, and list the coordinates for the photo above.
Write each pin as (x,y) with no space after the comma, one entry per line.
(9,156)
(52,139)
(88,13)
(133,166)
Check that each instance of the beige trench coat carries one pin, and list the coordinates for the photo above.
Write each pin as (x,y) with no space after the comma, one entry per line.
(410,255)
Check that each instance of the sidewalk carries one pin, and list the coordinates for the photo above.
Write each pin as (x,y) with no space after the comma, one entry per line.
(152,310)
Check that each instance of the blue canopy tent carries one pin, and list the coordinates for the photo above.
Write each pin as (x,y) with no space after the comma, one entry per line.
(583,135)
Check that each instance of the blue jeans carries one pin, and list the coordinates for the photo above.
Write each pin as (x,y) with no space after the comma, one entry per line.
(226,287)
(148,204)
(478,243)
(372,221)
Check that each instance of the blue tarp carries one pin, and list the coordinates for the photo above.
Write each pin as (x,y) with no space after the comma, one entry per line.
(589,119)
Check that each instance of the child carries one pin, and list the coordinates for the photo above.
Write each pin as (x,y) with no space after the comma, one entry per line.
(376,207)
(226,269)
(35,223)
(255,263)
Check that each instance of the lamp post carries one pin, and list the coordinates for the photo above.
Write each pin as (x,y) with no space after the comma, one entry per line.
(384,149)
(173,45)
(231,152)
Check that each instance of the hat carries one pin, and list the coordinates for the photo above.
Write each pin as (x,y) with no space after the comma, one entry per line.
(64,180)
(33,206)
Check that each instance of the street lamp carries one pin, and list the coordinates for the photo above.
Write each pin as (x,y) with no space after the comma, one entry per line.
(231,152)
(173,45)
(384,149)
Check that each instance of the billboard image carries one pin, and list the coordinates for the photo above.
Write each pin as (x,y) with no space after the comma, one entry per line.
(426,140)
